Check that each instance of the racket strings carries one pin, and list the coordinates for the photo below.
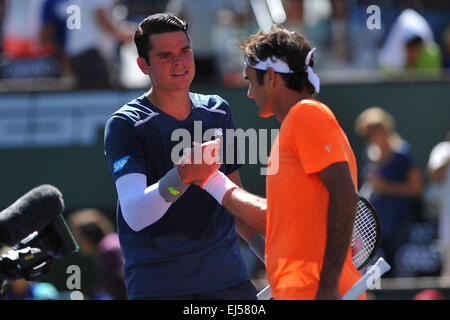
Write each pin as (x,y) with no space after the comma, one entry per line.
(364,235)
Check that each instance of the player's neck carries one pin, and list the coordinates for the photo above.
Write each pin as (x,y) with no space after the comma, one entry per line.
(175,103)
(287,99)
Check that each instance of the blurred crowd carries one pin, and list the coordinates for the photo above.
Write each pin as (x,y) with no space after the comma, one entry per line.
(413,206)
(91,41)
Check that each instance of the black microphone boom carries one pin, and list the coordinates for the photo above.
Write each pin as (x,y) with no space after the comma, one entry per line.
(31,212)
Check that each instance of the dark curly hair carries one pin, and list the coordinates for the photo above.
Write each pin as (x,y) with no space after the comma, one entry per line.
(156,24)
(289,46)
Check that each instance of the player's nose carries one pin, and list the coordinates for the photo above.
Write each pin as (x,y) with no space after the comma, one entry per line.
(178,60)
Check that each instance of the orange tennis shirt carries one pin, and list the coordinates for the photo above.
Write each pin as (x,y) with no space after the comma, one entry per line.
(310,140)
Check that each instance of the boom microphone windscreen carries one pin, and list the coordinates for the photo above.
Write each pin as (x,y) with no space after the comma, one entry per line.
(31,212)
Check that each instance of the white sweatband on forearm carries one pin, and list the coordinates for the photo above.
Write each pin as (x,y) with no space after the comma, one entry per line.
(217,185)
(141,205)
(258,244)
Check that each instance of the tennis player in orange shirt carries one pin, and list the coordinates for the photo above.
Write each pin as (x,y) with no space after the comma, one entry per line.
(311,198)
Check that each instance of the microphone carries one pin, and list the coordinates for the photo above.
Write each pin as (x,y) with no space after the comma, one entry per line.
(31,212)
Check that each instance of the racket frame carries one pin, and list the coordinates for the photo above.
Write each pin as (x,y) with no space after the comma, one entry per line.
(377,231)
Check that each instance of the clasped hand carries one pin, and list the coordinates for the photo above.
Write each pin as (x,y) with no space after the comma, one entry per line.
(199,162)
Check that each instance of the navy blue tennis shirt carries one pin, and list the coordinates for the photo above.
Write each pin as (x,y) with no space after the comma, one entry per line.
(193,248)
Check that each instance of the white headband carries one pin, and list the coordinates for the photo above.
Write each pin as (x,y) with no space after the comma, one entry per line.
(312,76)
(275,63)
(280,66)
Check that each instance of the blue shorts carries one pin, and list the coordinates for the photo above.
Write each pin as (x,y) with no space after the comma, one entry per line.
(242,291)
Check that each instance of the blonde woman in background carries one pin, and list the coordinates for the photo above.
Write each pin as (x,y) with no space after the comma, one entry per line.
(438,195)
(391,180)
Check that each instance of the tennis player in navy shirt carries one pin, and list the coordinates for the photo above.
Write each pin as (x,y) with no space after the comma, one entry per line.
(177,240)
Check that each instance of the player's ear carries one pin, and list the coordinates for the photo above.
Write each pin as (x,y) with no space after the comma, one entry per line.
(143,65)
(270,77)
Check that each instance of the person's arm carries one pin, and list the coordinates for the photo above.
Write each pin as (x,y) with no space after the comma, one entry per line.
(120,34)
(411,187)
(248,209)
(340,219)
(141,205)
(437,174)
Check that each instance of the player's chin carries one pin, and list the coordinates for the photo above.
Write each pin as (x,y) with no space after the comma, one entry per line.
(265,115)
(265,112)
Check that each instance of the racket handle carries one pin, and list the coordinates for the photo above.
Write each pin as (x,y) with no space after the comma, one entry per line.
(373,273)
(257,244)
(265,294)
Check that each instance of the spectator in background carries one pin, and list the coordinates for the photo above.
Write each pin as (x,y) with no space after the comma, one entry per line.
(202,17)
(92,48)
(339,31)
(410,45)
(229,28)
(439,175)
(20,29)
(139,9)
(364,43)
(23,290)
(325,23)
(95,235)
(295,12)
(392,182)
(54,30)
(446,48)
(2,18)
(23,55)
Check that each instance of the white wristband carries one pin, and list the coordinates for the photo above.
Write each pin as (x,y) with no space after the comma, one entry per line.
(217,185)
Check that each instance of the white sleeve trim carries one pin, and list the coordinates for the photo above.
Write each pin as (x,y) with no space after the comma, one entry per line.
(141,205)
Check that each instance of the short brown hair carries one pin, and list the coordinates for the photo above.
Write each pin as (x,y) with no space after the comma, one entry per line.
(156,24)
(286,45)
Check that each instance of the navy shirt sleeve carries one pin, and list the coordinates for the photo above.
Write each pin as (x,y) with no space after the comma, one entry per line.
(123,149)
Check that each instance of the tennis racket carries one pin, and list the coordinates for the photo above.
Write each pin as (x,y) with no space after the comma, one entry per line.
(365,242)
(366,234)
